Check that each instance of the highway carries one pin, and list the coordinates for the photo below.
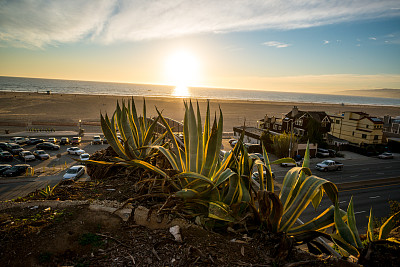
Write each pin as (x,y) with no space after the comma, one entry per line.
(364,198)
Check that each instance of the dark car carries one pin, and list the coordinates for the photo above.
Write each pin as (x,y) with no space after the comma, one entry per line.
(75,140)
(14,148)
(332,153)
(64,141)
(4,167)
(105,140)
(3,145)
(16,170)
(41,154)
(34,141)
(6,156)
(253,148)
(48,146)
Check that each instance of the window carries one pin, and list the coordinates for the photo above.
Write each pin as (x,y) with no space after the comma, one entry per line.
(367,126)
(376,137)
(364,136)
(323,124)
(337,121)
(353,133)
(280,127)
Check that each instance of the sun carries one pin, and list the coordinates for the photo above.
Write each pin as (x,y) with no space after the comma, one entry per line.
(182,68)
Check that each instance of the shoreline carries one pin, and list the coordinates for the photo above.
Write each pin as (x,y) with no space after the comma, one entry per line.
(56,107)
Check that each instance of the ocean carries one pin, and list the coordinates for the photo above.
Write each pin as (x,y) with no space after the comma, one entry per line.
(17,84)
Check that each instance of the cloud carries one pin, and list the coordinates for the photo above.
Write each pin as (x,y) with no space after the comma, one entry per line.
(372,38)
(50,22)
(325,42)
(276,44)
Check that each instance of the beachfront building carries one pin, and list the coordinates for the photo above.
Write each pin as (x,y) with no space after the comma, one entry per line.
(357,128)
(301,122)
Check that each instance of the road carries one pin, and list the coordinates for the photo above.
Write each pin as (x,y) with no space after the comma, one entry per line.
(364,198)
(353,171)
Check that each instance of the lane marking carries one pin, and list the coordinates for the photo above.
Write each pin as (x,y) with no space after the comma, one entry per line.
(359,212)
(344,201)
(375,197)
(368,187)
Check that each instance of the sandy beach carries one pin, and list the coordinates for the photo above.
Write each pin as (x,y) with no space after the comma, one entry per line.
(69,108)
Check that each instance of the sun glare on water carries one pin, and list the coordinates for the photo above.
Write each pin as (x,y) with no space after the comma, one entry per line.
(182,71)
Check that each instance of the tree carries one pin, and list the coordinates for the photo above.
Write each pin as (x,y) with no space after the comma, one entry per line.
(314,134)
(281,144)
(267,139)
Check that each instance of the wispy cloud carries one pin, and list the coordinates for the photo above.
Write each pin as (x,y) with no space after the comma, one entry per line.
(43,22)
(276,44)
(372,38)
(325,42)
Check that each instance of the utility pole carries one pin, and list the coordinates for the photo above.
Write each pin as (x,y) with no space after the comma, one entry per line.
(291,135)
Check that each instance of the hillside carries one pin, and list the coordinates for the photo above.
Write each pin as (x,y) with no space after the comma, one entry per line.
(386,93)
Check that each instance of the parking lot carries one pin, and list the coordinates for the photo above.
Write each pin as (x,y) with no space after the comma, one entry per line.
(59,159)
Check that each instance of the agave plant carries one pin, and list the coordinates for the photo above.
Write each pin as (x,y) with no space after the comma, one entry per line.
(203,180)
(137,136)
(280,213)
(347,238)
(137,133)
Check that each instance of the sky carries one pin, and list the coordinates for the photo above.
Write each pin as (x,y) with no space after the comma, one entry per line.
(314,46)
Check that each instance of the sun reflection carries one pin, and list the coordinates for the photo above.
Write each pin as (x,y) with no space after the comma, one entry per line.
(181,91)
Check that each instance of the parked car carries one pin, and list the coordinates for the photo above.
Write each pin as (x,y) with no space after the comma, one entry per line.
(34,141)
(75,150)
(16,170)
(6,156)
(332,153)
(41,154)
(14,148)
(233,143)
(322,153)
(74,172)
(298,163)
(386,155)
(18,140)
(75,140)
(52,140)
(3,145)
(96,140)
(4,167)
(329,165)
(259,155)
(26,155)
(256,175)
(47,146)
(84,156)
(253,148)
(105,140)
(64,141)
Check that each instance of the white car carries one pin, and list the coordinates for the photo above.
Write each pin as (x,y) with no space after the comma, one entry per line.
(74,172)
(26,155)
(18,140)
(84,156)
(75,150)
(96,140)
